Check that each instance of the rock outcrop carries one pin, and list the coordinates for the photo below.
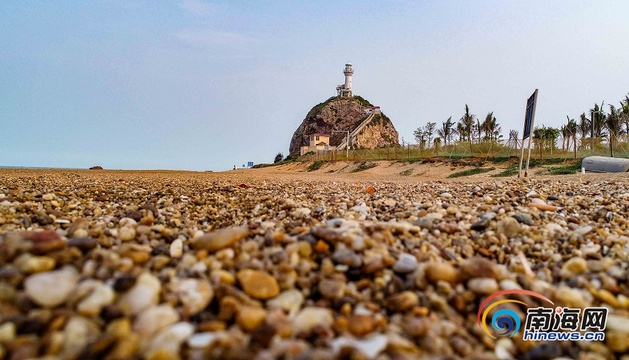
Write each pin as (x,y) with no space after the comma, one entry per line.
(339,114)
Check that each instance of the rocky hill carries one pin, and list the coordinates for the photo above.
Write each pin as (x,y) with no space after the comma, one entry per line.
(345,114)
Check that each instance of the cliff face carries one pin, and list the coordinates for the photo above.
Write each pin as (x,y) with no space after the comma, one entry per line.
(345,114)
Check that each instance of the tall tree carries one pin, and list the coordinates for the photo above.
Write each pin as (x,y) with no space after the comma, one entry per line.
(491,128)
(584,128)
(613,124)
(598,119)
(430,131)
(571,129)
(624,105)
(446,131)
(467,125)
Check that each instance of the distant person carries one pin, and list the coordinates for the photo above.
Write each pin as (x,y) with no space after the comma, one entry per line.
(234,167)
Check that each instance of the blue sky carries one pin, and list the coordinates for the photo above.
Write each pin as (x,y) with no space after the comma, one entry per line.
(202,85)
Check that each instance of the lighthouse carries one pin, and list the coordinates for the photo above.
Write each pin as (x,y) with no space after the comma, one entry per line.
(345,90)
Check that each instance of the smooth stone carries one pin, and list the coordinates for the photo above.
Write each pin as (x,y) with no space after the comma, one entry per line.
(176,248)
(618,323)
(538,201)
(31,264)
(144,294)
(83,243)
(436,271)
(50,289)
(195,295)
(126,233)
(76,334)
(479,267)
(220,239)
(258,284)
(301,212)
(289,300)
(483,286)
(406,263)
(331,288)
(575,266)
(371,347)
(523,218)
(250,317)
(552,227)
(8,331)
(201,340)
(101,296)
(446,195)
(509,227)
(402,301)
(154,319)
(170,338)
(310,317)
(583,230)
(361,324)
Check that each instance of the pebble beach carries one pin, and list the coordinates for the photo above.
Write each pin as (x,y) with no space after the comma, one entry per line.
(254,264)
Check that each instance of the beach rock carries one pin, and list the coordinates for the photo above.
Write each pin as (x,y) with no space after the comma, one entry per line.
(50,289)
(250,317)
(194,294)
(309,317)
(332,289)
(101,296)
(406,263)
(154,319)
(220,239)
(258,284)
(508,227)
(144,294)
(289,300)
(176,248)
(483,286)
(436,271)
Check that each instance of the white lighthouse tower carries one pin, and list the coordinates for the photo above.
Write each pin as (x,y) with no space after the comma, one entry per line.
(345,90)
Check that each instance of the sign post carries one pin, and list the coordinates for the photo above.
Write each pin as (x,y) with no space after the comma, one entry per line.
(529,122)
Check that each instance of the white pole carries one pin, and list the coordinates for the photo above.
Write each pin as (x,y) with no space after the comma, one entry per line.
(528,158)
(347,147)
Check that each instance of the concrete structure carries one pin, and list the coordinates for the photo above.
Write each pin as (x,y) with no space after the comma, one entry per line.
(373,110)
(345,90)
(317,143)
(605,164)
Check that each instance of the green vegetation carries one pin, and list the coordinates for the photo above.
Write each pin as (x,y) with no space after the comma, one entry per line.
(562,170)
(362,101)
(469,172)
(509,171)
(319,106)
(363,165)
(316,165)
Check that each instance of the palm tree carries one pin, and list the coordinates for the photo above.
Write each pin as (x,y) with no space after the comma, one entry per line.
(564,136)
(598,119)
(583,128)
(491,127)
(613,124)
(467,125)
(447,130)
(625,113)
(572,128)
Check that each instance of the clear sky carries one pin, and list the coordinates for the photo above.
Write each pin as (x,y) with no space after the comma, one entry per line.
(200,85)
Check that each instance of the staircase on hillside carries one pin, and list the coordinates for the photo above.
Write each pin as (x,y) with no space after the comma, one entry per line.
(355,133)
